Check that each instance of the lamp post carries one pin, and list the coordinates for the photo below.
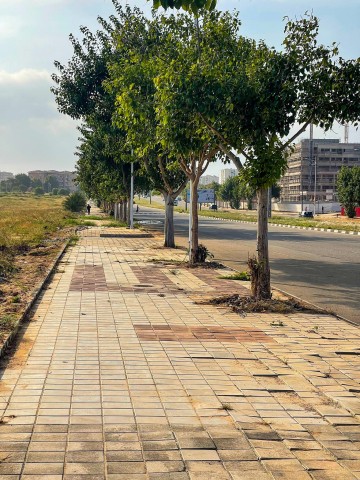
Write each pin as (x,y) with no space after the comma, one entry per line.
(132,193)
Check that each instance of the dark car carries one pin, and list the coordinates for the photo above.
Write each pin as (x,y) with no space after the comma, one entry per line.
(306,214)
(213,207)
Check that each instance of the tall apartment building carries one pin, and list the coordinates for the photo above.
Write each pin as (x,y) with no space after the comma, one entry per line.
(226,173)
(65,178)
(207,179)
(5,176)
(312,170)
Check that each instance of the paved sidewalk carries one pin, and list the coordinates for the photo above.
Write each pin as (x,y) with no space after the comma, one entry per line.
(121,375)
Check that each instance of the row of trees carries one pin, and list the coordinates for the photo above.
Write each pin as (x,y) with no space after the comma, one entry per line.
(23,183)
(173,93)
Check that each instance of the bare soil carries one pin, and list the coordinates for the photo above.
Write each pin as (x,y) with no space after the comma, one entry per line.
(29,270)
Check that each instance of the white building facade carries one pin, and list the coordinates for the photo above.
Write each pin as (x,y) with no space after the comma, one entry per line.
(226,173)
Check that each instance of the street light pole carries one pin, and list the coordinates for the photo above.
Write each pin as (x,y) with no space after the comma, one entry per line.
(132,194)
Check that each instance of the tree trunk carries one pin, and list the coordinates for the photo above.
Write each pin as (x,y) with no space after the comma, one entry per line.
(260,270)
(194,227)
(169,234)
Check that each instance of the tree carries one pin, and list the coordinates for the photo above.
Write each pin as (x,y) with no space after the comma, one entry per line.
(191,144)
(132,81)
(230,192)
(348,189)
(50,183)
(22,182)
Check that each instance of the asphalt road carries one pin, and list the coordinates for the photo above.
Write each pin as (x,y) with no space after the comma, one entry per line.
(322,268)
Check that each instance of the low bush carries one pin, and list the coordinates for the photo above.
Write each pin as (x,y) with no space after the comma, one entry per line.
(76,202)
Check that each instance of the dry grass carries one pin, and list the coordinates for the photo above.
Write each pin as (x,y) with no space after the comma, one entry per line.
(26,221)
(244,304)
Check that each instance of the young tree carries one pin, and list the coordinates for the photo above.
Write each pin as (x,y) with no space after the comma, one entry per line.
(132,81)
(348,189)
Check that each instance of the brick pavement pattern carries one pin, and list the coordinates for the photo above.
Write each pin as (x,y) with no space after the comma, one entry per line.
(122,374)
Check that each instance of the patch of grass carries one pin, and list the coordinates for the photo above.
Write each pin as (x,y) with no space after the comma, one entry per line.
(7,323)
(244,276)
(114,224)
(95,217)
(73,240)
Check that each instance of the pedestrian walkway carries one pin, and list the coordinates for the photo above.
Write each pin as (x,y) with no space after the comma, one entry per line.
(122,373)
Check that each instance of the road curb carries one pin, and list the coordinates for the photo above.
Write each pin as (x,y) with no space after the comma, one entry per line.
(35,296)
(297,227)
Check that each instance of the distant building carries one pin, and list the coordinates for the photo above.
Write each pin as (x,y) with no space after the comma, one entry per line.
(312,172)
(65,178)
(5,176)
(207,179)
(226,173)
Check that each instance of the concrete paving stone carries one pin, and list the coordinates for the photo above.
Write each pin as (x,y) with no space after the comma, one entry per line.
(251,475)
(244,455)
(84,456)
(84,469)
(209,476)
(38,477)
(13,446)
(353,465)
(125,467)
(43,468)
(125,476)
(82,477)
(205,466)
(45,457)
(234,443)
(159,445)
(10,469)
(162,466)
(124,456)
(168,476)
(283,465)
(331,475)
(199,454)
(87,428)
(162,455)
(83,446)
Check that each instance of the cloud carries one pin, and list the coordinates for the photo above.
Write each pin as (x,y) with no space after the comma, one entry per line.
(23,77)
(32,132)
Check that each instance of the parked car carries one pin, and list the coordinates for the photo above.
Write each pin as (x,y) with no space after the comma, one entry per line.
(175,203)
(213,207)
(304,213)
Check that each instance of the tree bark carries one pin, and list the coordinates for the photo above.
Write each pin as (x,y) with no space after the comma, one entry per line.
(169,233)
(260,284)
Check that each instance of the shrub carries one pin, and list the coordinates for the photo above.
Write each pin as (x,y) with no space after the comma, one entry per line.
(55,191)
(76,202)
(39,191)
(202,253)
(63,191)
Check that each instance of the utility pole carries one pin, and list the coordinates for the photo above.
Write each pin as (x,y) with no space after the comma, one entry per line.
(346,132)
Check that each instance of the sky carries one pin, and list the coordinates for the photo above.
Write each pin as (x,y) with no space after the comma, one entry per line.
(35,33)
